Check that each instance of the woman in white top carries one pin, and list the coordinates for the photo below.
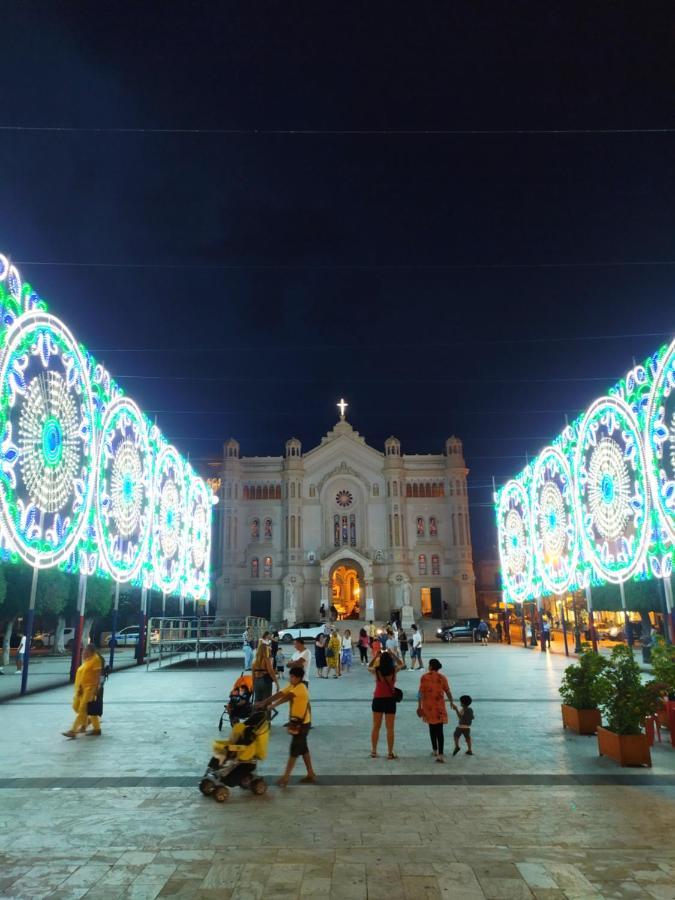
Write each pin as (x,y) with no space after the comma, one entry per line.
(346,650)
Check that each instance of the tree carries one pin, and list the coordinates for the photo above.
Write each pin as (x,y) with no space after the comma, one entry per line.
(98,603)
(17,579)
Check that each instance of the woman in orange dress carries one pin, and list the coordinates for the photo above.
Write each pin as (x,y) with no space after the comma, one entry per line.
(434,689)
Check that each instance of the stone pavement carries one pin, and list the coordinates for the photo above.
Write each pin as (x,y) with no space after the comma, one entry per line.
(535,813)
(47,671)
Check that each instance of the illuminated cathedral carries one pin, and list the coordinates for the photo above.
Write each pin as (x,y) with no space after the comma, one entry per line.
(366,531)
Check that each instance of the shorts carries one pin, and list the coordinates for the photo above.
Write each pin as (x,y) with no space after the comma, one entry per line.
(462,731)
(299,742)
(386,705)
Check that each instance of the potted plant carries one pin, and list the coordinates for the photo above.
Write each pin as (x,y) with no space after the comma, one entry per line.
(625,704)
(581,690)
(663,666)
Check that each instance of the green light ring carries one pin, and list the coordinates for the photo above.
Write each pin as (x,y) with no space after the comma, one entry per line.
(554,529)
(515,541)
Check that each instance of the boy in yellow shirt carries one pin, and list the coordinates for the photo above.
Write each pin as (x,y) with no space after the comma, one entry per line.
(300,722)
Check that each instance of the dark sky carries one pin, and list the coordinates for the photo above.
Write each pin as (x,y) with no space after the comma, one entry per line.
(239,283)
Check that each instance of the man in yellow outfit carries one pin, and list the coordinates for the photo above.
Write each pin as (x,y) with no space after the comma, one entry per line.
(87,681)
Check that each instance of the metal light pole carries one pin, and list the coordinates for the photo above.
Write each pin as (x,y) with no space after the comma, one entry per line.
(28,630)
(591,622)
(670,625)
(563,620)
(627,621)
(142,625)
(116,607)
(77,645)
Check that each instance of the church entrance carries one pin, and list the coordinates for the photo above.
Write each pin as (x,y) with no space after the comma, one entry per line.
(346,582)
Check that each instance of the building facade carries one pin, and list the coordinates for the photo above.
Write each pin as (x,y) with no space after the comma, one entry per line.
(347,525)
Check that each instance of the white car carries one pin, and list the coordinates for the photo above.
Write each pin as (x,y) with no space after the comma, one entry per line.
(307,630)
(47,638)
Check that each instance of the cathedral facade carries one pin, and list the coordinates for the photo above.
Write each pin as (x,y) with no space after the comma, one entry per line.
(344,524)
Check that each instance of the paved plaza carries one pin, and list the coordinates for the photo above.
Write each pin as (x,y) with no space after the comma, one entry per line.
(534,813)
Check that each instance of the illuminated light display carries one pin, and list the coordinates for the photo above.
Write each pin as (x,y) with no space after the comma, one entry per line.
(86,482)
(515,543)
(660,443)
(611,490)
(124,490)
(168,533)
(198,538)
(47,444)
(554,522)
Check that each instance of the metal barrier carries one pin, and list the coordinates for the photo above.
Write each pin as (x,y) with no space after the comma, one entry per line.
(198,636)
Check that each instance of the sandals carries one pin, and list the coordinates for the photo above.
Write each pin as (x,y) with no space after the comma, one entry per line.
(373,754)
(392,756)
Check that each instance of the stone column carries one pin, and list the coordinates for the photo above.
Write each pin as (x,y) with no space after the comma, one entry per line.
(370,600)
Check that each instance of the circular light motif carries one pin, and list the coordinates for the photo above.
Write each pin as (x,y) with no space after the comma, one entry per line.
(344,498)
(515,541)
(660,441)
(197,539)
(611,490)
(554,527)
(123,489)
(46,440)
(167,528)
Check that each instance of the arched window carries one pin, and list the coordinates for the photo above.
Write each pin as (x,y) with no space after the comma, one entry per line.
(416,490)
(258,492)
(434,489)
(336,531)
(468,533)
(255,570)
(454,531)
(452,492)
(396,489)
(255,529)
(435,565)
(267,567)
(408,490)
(268,529)
(389,489)
(245,492)
(460,523)
(420,526)
(422,564)
(397,531)
(278,492)
(427,490)
(352,530)
(292,489)
(433,527)
(293,531)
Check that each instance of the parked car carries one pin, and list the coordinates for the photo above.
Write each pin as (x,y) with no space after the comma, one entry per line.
(48,638)
(128,637)
(462,629)
(301,629)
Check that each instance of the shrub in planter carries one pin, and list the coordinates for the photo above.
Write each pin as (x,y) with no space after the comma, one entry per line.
(663,665)
(582,692)
(625,705)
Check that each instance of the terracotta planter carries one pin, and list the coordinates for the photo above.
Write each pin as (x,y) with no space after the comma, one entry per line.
(626,749)
(583,721)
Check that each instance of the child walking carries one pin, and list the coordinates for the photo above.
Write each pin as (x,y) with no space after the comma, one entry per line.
(281,663)
(465,716)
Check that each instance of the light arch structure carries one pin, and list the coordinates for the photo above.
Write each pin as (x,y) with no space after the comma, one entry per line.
(87,483)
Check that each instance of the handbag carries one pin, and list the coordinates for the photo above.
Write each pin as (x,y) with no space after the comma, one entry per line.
(396,693)
(95,706)
(330,653)
(295,724)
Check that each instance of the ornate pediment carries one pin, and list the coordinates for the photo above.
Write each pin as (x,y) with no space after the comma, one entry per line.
(343,468)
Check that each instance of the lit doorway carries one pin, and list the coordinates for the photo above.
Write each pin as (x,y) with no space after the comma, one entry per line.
(346,591)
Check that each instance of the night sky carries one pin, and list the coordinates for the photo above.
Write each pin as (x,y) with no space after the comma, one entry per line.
(248,210)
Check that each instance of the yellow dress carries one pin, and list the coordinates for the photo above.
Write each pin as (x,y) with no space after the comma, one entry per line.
(334,645)
(87,679)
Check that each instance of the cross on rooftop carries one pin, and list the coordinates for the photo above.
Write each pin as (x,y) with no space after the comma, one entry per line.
(342,406)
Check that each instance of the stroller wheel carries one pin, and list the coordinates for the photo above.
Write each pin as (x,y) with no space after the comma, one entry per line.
(206,786)
(259,786)
(246,782)
(221,794)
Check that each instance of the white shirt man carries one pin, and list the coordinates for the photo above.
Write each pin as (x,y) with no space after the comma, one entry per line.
(302,657)
(416,648)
